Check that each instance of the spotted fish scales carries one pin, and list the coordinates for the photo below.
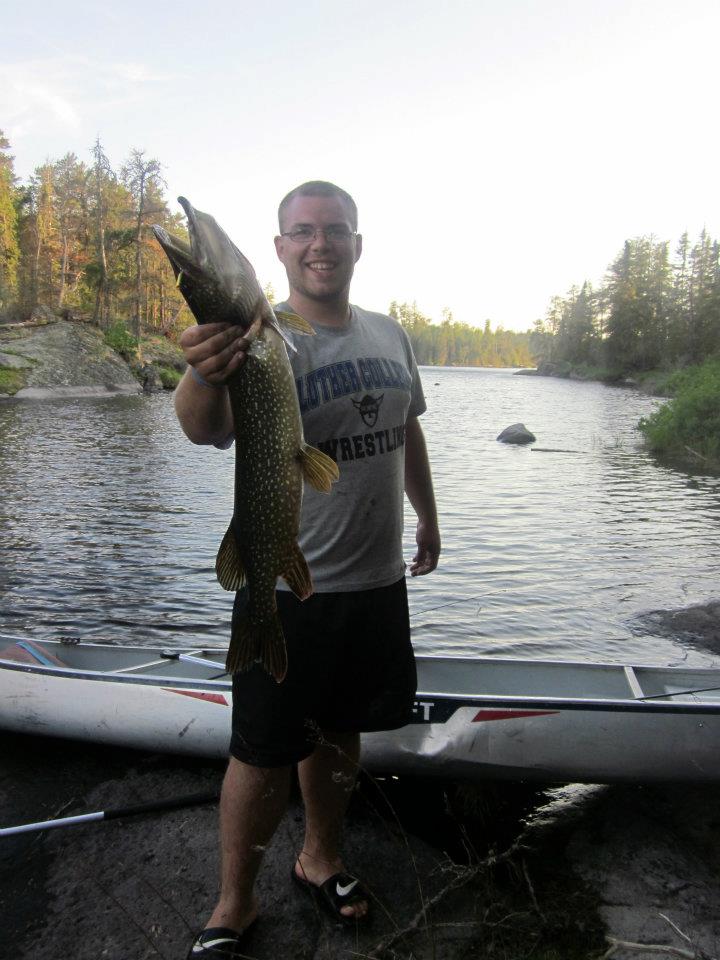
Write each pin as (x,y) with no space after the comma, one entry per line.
(272,458)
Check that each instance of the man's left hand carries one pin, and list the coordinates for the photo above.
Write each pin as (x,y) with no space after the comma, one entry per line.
(428,551)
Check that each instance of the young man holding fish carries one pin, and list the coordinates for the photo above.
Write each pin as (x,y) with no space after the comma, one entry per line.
(350,662)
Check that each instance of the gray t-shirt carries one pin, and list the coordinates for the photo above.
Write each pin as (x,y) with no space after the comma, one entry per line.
(357,386)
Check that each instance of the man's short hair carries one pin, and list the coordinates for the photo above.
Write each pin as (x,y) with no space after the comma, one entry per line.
(319,188)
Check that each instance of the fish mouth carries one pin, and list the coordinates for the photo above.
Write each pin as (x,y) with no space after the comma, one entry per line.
(194,232)
(189,258)
(177,251)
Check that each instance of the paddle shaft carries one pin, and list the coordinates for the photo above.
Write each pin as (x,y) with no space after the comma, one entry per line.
(152,806)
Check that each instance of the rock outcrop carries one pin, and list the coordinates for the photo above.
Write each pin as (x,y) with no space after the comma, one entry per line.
(61,358)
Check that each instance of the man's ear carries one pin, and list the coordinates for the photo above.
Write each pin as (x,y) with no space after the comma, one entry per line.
(358,246)
(279,246)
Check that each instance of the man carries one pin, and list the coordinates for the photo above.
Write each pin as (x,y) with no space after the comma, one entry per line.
(351,667)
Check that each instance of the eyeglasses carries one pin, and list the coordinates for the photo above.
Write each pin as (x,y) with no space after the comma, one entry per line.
(331,234)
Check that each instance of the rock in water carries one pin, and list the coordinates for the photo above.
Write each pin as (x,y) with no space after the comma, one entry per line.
(516,433)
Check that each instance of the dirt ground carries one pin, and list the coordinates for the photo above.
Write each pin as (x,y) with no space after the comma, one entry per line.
(585,863)
(506,871)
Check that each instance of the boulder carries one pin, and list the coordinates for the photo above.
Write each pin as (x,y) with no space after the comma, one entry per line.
(150,379)
(516,433)
(42,314)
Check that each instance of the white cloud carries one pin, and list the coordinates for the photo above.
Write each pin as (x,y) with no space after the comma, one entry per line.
(67,93)
(136,73)
(30,96)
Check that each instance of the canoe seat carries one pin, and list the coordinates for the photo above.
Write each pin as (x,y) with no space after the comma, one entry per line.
(25,651)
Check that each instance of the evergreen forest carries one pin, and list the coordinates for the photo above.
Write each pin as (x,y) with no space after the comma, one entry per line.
(653,311)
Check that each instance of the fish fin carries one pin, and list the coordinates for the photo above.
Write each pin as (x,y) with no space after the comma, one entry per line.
(318,468)
(283,334)
(297,575)
(297,324)
(262,642)
(228,564)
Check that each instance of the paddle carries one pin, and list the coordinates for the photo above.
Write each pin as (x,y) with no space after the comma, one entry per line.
(172,803)
(679,693)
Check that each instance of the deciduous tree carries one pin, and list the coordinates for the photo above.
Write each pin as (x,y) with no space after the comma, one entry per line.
(9,246)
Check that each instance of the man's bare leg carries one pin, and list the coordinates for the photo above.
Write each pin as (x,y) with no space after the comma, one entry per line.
(327,778)
(252,802)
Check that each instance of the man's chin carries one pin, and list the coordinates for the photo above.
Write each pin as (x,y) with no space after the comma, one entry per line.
(324,294)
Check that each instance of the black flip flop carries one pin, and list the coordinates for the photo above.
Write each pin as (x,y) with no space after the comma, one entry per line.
(220,943)
(340,890)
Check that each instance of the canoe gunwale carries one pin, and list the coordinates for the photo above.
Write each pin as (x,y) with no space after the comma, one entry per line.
(475,701)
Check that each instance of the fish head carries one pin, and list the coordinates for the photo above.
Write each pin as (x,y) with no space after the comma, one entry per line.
(215,278)
(218,257)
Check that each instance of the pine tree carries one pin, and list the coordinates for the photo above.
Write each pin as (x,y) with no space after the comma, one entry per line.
(638,296)
(43,239)
(71,210)
(704,325)
(144,181)
(101,180)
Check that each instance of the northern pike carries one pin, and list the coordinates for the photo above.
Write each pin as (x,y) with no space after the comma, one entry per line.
(271,455)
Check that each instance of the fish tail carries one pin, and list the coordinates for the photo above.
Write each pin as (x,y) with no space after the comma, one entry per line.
(318,468)
(258,642)
(296,573)
(228,564)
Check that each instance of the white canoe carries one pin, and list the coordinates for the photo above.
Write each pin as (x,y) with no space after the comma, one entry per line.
(475,719)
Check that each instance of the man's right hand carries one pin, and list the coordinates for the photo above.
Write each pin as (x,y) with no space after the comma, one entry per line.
(214,350)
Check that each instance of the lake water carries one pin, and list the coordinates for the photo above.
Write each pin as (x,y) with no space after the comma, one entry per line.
(110,520)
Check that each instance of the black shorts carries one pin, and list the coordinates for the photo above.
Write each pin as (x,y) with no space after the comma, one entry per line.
(350,669)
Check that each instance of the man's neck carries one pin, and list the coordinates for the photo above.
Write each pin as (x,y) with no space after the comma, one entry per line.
(333,313)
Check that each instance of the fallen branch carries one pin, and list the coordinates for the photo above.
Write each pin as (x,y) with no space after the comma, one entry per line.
(421,920)
(532,890)
(616,945)
(695,453)
(696,953)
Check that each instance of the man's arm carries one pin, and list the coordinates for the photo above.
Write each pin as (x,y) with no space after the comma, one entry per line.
(215,351)
(419,488)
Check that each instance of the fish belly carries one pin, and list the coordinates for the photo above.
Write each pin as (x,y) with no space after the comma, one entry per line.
(268,497)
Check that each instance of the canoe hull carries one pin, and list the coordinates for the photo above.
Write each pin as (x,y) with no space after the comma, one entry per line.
(486,736)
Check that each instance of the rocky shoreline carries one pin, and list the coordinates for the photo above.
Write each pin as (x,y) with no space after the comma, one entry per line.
(52,358)
(502,870)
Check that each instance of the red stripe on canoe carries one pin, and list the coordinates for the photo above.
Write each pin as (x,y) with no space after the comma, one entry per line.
(212,697)
(482,715)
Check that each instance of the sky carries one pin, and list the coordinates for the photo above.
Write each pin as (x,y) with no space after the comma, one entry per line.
(499,151)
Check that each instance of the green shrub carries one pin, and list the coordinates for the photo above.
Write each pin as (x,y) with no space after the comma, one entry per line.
(691,420)
(119,339)
(11,380)
(169,377)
